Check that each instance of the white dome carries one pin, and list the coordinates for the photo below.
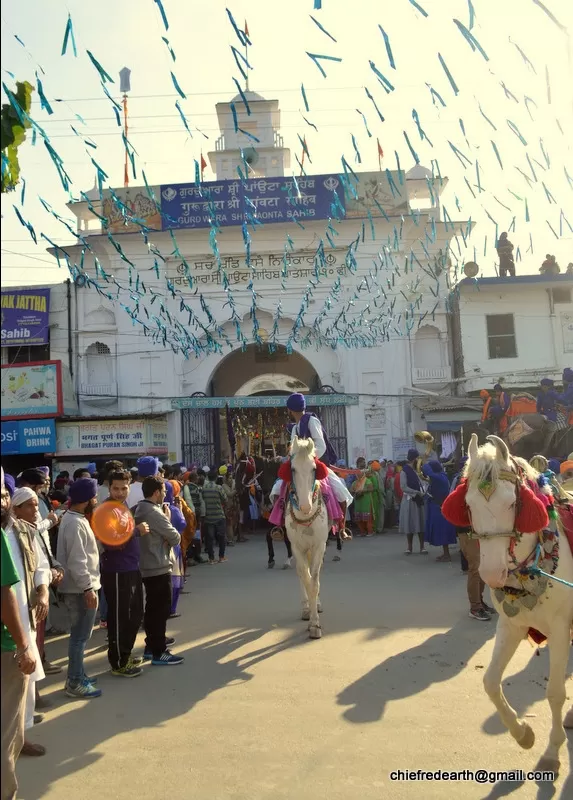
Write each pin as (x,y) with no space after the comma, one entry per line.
(418,173)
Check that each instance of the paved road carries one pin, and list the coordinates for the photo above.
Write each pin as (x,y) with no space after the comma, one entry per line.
(258,711)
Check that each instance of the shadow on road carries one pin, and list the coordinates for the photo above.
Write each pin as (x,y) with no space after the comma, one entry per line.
(439,658)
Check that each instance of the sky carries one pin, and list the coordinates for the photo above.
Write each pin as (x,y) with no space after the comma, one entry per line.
(129,33)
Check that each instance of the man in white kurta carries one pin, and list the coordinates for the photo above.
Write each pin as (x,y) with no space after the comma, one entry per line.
(42,577)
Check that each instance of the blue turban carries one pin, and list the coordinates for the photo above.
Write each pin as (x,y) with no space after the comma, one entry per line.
(568,375)
(341,463)
(554,464)
(433,467)
(82,490)
(296,402)
(91,468)
(9,483)
(168,492)
(498,387)
(147,466)
(413,454)
(546,382)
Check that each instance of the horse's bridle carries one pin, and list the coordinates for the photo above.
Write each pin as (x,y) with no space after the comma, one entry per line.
(486,489)
(293,500)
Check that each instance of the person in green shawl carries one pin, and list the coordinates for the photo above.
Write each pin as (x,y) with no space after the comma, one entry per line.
(364,489)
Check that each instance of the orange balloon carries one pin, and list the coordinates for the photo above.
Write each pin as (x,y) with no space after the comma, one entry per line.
(112,523)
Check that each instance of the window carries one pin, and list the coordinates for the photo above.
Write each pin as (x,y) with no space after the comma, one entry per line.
(561,295)
(26,354)
(501,336)
(99,366)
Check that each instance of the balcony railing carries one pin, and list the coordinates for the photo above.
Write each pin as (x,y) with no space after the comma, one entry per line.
(431,374)
(100,394)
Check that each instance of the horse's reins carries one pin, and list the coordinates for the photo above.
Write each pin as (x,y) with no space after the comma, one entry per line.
(293,502)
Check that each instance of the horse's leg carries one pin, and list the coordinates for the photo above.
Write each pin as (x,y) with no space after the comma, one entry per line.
(559,643)
(304,578)
(315,631)
(507,640)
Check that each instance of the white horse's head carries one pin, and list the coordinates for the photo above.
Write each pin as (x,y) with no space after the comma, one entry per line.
(303,472)
(491,497)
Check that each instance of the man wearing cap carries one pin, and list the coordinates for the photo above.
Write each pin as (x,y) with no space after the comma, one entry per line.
(308,426)
(147,466)
(79,555)
(17,663)
(32,592)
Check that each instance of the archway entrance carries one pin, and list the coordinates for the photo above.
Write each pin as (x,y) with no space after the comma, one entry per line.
(245,406)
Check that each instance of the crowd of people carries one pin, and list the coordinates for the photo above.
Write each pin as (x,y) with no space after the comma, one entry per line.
(53,556)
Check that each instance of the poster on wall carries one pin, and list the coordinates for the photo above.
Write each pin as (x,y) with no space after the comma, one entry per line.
(400,447)
(25,317)
(137,205)
(95,438)
(32,390)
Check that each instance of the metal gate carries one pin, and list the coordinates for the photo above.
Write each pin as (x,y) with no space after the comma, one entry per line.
(199,436)
(333,419)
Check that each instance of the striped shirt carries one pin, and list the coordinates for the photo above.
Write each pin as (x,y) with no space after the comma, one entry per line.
(214,498)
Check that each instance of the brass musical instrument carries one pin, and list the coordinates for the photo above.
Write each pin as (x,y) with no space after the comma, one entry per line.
(426,438)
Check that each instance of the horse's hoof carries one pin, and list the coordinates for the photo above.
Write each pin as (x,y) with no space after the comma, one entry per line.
(315,632)
(568,721)
(305,614)
(548,765)
(319,608)
(528,739)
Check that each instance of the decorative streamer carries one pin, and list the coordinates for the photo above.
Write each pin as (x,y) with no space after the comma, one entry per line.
(69,36)
(471,39)
(178,89)
(317,23)
(315,57)
(171,52)
(103,74)
(418,7)
(384,81)
(448,73)
(388,47)
(163,14)
(374,104)
(307,107)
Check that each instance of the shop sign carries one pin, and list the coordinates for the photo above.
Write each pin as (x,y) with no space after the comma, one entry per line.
(20,437)
(276,401)
(25,317)
(105,437)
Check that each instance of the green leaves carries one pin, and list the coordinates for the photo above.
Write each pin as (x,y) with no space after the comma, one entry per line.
(13,133)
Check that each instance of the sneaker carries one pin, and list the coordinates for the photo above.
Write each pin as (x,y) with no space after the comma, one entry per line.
(270,565)
(147,655)
(169,640)
(288,563)
(135,661)
(84,690)
(166,659)
(480,614)
(211,561)
(127,672)
(336,558)
(103,625)
(223,559)
(488,609)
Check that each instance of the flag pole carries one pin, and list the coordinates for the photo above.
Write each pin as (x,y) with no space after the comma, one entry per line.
(126,167)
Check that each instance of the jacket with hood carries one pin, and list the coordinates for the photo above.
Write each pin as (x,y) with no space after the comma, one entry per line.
(156,545)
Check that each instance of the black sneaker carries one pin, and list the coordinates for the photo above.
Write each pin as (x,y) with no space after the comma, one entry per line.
(489,610)
(167,659)
(169,640)
(271,564)
(480,614)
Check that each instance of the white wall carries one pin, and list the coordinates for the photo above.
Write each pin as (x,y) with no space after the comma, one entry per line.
(544,347)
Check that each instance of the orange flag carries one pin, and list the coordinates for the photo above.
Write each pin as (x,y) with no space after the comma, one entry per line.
(247,30)
(380,154)
(203,165)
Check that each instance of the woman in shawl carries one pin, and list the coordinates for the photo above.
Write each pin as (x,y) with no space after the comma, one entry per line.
(176,557)
(412,504)
(439,532)
(364,490)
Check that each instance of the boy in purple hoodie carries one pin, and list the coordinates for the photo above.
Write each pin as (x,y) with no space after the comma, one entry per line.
(121,582)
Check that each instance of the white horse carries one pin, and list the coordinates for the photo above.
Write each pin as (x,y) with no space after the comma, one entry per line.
(306,522)
(497,497)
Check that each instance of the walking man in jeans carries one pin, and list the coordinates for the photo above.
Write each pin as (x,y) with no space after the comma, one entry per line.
(79,555)
(155,566)
(121,581)
(215,521)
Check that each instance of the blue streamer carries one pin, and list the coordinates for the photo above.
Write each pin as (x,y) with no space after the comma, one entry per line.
(419,7)
(388,47)
(26,225)
(422,133)
(524,57)
(171,53)
(182,115)
(448,73)
(436,95)
(177,87)
(243,97)
(508,94)
(308,122)
(384,81)
(234,115)
(103,74)
(306,105)
(163,14)
(513,127)
(69,35)
(317,23)
(316,56)
(358,157)
(241,35)
(415,156)
(496,151)
(470,38)
(365,122)
(487,119)
(374,104)
(43,99)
